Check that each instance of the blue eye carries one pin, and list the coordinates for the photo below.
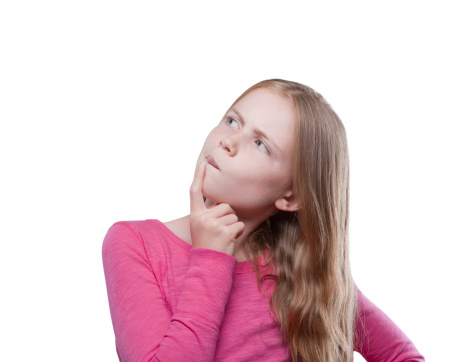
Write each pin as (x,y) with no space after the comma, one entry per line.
(232,123)
(262,146)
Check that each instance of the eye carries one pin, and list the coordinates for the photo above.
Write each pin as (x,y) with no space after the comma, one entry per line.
(232,123)
(260,144)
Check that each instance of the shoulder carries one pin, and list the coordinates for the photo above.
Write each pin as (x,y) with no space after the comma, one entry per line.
(150,239)
(149,229)
(369,316)
(136,231)
(126,237)
(364,305)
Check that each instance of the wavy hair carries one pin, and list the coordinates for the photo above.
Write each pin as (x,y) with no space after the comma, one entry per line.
(314,300)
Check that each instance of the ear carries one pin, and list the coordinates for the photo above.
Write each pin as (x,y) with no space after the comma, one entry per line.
(287,202)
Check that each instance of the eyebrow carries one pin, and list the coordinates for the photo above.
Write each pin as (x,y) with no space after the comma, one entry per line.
(255,130)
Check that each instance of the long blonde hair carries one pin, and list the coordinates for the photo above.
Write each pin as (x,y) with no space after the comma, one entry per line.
(314,299)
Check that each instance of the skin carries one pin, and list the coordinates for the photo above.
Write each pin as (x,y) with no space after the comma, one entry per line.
(253,178)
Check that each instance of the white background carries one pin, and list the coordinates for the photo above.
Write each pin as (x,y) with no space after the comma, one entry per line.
(104,106)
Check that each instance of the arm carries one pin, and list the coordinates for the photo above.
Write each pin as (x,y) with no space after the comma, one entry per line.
(379,339)
(145,328)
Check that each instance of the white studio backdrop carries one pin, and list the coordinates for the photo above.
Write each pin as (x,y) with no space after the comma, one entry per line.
(105,105)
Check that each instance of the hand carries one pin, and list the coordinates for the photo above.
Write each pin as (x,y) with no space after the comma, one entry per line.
(216,227)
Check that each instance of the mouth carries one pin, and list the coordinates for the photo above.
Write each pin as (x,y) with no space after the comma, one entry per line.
(211,161)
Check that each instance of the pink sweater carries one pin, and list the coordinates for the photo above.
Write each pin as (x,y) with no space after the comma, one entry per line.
(172,302)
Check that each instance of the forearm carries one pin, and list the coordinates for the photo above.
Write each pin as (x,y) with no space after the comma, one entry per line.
(194,329)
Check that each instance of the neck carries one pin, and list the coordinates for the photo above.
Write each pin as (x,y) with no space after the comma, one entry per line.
(250,226)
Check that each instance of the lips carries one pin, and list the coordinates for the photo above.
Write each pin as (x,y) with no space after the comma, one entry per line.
(211,161)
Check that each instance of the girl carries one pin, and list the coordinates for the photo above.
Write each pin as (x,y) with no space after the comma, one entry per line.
(259,270)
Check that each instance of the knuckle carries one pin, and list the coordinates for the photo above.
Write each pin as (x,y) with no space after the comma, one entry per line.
(214,224)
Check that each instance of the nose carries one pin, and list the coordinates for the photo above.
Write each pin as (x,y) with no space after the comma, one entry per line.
(229,144)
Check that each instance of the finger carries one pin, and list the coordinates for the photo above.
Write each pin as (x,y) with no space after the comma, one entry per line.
(196,196)
(237,229)
(228,219)
(220,210)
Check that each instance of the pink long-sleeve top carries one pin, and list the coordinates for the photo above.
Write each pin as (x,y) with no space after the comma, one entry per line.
(172,302)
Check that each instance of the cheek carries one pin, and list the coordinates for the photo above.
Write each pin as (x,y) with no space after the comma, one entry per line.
(277,182)
(262,183)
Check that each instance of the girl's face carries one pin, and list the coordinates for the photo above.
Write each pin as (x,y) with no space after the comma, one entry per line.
(249,155)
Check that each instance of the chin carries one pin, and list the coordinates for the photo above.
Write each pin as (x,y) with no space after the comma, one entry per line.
(213,198)
(213,192)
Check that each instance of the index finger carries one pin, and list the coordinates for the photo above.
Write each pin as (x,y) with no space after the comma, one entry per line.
(196,196)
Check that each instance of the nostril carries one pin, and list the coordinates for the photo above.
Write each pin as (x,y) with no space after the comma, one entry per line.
(224,145)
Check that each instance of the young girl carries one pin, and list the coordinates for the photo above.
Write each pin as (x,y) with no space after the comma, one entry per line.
(259,270)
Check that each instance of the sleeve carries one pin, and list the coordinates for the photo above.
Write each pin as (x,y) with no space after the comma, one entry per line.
(145,329)
(378,338)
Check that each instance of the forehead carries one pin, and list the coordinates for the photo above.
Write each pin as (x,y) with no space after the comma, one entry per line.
(271,112)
